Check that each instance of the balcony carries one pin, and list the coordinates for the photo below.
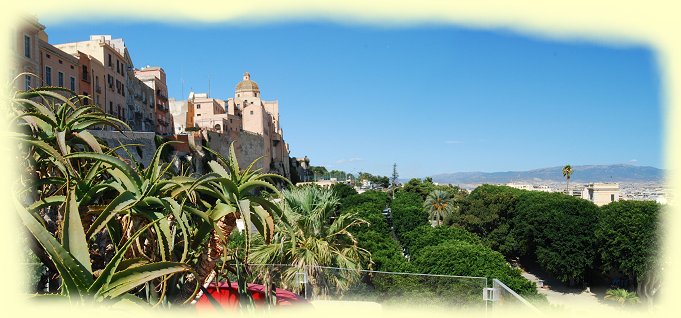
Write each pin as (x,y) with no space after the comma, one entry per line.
(161,95)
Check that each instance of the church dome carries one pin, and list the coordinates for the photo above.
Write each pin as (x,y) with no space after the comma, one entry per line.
(247,85)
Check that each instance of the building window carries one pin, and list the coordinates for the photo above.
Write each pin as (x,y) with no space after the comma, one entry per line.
(27,82)
(85,73)
(73,84)
(110,61)
(198,106)
(251,112)
(27,46)
(60,79)
(118,67)
(197,115)
(612,198)
(48,75)
(111,108)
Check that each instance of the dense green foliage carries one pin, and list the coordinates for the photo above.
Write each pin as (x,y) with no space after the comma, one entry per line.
(554,229)
(426,235)
(426,186)
(416,235)
(558,230)
(628,237)
(470,259)
(342,190)
(488,211)
(408,214)
(566,236)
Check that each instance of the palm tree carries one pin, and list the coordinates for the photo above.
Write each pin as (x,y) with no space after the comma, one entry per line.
(622,296)
(439,205)
(567,172)
(310,236)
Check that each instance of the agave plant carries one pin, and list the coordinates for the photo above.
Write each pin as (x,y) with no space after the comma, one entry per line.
(72,259)
(163,232)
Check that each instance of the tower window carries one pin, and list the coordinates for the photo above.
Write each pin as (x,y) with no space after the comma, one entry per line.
(27,82)
(48,75)
(27,46)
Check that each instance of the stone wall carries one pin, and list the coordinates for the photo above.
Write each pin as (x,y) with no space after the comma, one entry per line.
(142,154)
(250,147)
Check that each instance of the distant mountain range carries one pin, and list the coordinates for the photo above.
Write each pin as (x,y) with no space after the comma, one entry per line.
(589,173)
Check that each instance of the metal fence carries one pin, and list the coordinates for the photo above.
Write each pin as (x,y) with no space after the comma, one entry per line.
(504,298)
(391,289)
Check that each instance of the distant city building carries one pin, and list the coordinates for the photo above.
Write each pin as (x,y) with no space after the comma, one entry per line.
(530,187)
(601,193)
(326,184)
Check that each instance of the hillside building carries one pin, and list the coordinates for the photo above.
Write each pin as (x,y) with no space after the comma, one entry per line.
(242,117)
(601,193)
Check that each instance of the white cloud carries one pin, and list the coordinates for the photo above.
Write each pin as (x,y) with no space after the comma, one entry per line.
(342,161)
(633,161)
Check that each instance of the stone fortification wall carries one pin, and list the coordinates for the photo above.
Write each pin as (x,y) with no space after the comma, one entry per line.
(142,154)
(248,147)
(251,147)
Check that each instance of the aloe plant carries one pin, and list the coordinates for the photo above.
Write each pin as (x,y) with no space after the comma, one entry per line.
(233,192)
(72,260)
(167,231)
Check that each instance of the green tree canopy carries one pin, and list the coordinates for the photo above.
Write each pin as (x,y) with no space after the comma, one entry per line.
(426,235)
(628,236)
(558,230)
(468,259)
(488,211)
(342,190)
(407,212)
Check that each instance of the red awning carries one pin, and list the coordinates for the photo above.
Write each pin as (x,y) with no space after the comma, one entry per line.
(227,295)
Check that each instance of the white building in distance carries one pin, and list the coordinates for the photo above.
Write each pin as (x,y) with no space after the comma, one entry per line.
(601,193)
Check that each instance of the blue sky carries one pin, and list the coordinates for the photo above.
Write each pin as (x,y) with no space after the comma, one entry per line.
(433,99)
